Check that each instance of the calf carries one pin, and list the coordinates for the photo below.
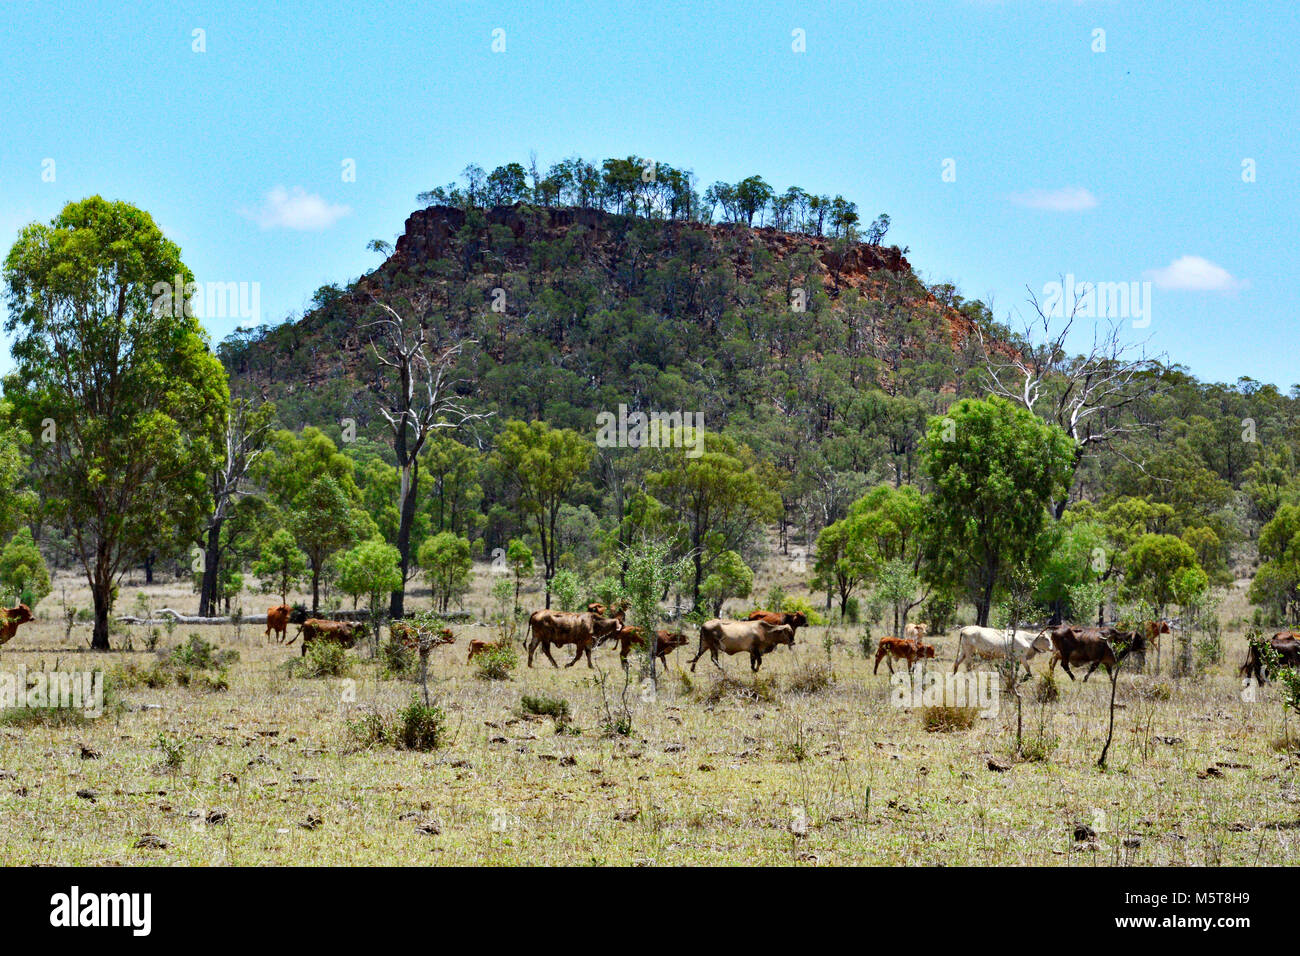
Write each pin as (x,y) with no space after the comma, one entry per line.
(756,638)
(915,632)
(10,619)
(906,649)
(1287,645)
(409,636)
(629,637)
(478,646)
(344,633)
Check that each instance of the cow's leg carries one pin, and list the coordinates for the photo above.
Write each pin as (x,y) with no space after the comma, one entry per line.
(713,652)
(698,654)
(587,650)
(876,669)
(546,649)
(576,655)
(1093,668)
(1065,666)
(755,661)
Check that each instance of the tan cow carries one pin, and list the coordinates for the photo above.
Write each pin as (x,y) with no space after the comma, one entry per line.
(561,628)
(755,638)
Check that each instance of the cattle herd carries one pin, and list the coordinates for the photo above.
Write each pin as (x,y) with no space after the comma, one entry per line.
(761,633)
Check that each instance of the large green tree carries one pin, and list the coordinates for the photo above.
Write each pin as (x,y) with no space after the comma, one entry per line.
(542,466)
(995,470)
(114,379)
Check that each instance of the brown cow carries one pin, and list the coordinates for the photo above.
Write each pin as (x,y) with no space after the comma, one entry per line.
(904,648)
(582,630)
(756,637)
(794,620)
(10,619)
(408,635)
(1092,646)
(1287,645)
(629,637)
(344,633)
(279,618)
(478,646)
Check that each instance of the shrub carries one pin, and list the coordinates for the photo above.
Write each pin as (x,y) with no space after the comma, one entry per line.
(555,707)
(1047,689)
(416,726)
(419,726)
(852,610)
(809,678)
(496,663)
(173,752)
(397,660)
(202,655)
(324,659)
(947,719)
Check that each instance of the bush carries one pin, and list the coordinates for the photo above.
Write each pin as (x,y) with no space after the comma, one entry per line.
(324,659)
(1047,689)
(496,663)
(199,654)
(947,719)
(809,678)
(555,707)
(419,726)
(852,610)
(396,660)
(416,726)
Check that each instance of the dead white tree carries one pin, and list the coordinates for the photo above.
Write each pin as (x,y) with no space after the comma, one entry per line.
(247,429)
(416,397)
(1089,395)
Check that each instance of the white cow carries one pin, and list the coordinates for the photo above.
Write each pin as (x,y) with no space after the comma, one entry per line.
(995,644)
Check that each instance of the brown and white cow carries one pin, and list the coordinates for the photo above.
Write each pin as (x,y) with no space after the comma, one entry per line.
(10,619)
(755,638)
(1287,646)
(566,628)
(891,648)
(344,633)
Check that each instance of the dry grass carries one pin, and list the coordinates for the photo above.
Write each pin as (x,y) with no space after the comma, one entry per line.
(783,768)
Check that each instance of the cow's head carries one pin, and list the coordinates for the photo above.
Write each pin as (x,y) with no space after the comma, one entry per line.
(605,627)
(297,614)
(775,634)
(797,619)
(1040,644)
(925,650)
(673,639)
(19,615)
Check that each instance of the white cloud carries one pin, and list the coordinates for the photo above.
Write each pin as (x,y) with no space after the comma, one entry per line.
(1066,199)
(1194,274)
(295,209)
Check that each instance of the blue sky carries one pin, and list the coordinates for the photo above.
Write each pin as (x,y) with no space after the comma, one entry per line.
(1115,166)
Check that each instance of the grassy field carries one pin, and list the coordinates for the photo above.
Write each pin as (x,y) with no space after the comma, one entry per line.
(810,763)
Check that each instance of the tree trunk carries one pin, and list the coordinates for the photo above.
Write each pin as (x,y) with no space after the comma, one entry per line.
(101,591)
(211,558)
(409,490)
